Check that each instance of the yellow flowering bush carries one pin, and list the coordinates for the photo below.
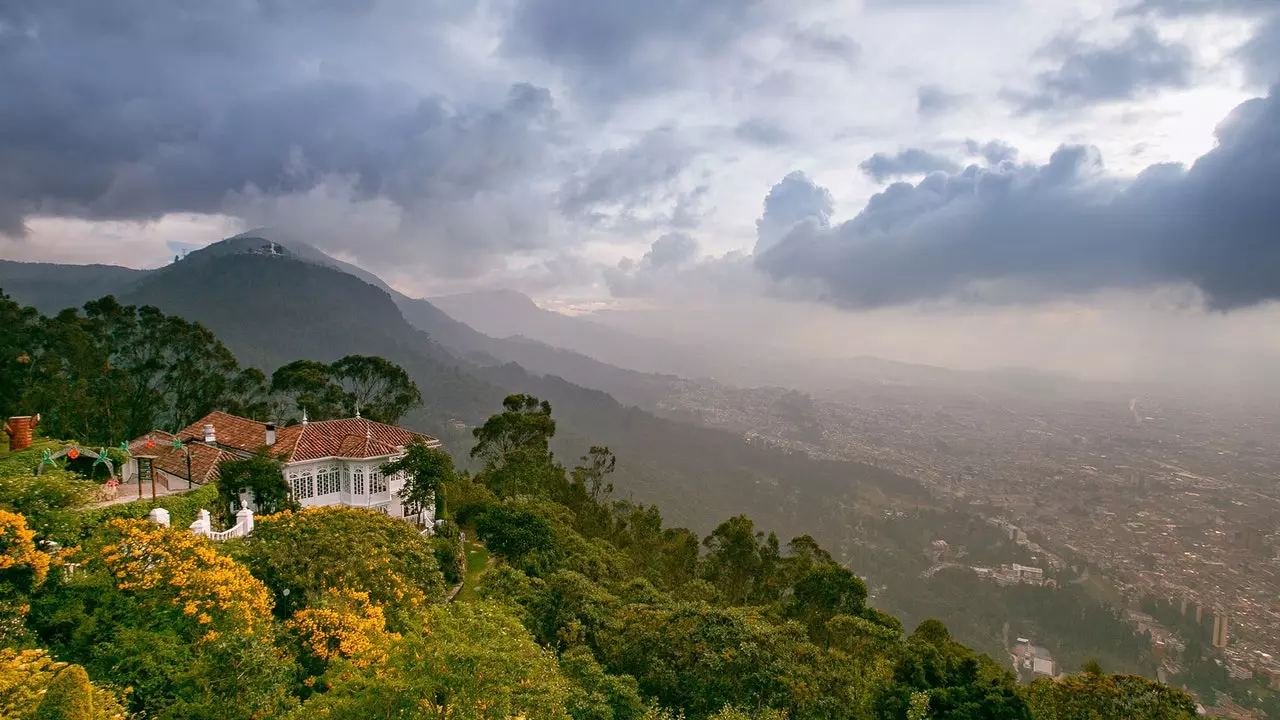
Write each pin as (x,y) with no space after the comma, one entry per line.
(26,677)
(301,555)
(185,571)
(18,549)
(344,624)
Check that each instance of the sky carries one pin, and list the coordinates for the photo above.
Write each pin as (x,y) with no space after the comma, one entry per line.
(1081,185)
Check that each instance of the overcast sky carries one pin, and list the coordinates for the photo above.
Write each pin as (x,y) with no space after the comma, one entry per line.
(919,160)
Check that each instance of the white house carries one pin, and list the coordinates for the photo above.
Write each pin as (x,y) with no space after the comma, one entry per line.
(330,462)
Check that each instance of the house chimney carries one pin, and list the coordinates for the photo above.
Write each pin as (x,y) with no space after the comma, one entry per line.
(210,433)
(271,434)
(19,429)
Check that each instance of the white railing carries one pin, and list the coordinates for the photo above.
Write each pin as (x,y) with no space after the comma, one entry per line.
(202,525)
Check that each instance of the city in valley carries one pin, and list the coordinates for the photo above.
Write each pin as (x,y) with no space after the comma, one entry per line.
(1149,497)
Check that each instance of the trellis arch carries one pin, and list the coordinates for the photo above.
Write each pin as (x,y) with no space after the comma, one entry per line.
(99,458)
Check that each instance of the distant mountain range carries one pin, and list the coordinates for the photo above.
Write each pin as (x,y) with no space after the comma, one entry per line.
(274,302)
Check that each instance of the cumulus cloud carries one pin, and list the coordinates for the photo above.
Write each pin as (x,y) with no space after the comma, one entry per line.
(666,256)
(910,161)
(1089,74)
(995,152)
(793,202)
(1030,232)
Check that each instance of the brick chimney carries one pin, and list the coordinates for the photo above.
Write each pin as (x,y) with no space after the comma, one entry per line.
(271,434)
(210,434)
(20,429)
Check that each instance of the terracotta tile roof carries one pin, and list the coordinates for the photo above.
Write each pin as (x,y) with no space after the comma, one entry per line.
(232,431)
(204,458)
(350,438)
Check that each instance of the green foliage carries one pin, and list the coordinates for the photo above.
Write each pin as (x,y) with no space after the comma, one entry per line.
(446,543)
(468,660)
(307,553)
(428,471)
(595,694)
(733,561)
(379,388)
(48,501)
(261,476)
(524,427)
(183,510)
(959,683)
(306,385)
(115,372)
(1094,696)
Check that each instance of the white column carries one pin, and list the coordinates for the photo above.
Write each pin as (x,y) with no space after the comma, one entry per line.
(244,517)
(159,516)
(202,525)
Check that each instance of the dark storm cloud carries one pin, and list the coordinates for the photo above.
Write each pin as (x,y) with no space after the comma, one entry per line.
(910,161)
(994,152)
(1029,232)
(1261,54)
(794,201)
(932,100)
(129,110)
(619,47)
(1090,74)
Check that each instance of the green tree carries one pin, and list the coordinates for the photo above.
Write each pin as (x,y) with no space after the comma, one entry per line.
(261,475)
(379,388)
(467,660)
(595,694)
(308,387)
(524,427)
(960,684)
(115,372)
(428,472)
(17,344)
(733,557)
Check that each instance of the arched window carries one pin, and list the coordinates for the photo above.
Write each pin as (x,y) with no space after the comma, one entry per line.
(358,480)
(302,486)
(346,479)
(377,483)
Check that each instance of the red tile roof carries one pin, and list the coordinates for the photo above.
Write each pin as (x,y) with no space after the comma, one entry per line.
(232,431)
(348,438)
(204,458)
